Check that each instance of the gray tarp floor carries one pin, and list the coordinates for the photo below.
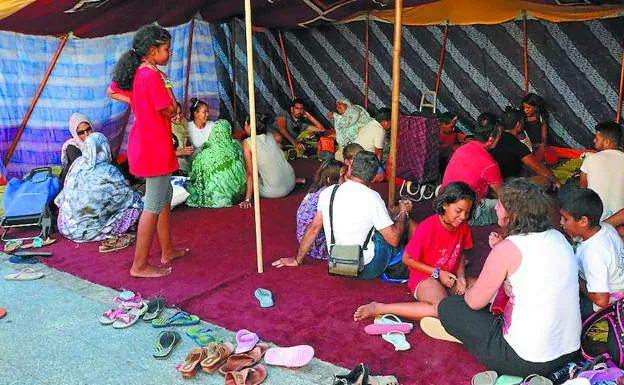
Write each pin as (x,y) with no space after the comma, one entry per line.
(51,335)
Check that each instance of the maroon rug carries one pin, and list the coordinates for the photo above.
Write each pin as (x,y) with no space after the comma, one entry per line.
(217,281)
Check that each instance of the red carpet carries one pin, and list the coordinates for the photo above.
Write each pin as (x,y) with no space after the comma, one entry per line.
(217,280)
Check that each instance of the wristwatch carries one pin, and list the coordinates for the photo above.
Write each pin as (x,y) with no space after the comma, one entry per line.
(435,274)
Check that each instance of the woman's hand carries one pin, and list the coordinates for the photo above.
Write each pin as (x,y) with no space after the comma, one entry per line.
(184,151)
(288,261)
(330,115)
(460,286)
(245,204)
(447,279)
(494,239)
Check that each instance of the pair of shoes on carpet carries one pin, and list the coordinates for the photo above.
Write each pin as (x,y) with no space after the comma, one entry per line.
(391,329)
(121,317)
(114,243)
(360,375)
(490,377)
(416,192)
(37,242)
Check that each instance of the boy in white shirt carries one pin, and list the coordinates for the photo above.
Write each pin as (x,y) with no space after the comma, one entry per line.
(601,252)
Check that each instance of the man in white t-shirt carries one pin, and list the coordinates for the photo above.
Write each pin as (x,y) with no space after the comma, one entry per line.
(356,210)
(601,252)
(603,171)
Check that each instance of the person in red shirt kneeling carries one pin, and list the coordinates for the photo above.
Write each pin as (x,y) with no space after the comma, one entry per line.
(435,257)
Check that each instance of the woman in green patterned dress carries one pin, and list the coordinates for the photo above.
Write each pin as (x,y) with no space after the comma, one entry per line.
(218,177)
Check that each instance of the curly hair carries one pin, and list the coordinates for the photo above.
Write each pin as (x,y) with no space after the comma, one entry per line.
(327,175)
(527,205)
(145,38)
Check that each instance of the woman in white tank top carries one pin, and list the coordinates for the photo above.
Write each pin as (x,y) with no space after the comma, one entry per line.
(539,331)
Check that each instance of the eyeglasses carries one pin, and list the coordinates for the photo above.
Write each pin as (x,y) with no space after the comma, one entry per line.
(88,129)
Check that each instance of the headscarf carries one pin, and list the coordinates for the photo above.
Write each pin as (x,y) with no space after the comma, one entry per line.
(218,177)
(95,194)
(348,124)
(74,121)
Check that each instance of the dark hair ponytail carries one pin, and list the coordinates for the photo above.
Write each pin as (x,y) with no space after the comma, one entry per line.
(145,38)
(195,104)
(262,122)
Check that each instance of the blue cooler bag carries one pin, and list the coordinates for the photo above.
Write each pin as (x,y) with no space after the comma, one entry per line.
(29,196)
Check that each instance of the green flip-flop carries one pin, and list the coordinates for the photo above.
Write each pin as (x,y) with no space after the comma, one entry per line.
(180,318)
(202,335)
(167,340)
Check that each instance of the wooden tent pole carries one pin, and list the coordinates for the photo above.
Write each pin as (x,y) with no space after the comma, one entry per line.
(396,77)
(366,60)
(441,62)
(188,64)
(526,54)
(33,103)
(619,109)
(252,122)
(285,58)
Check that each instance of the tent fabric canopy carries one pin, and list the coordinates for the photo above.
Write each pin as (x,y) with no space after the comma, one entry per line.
(96,18)
(466,12)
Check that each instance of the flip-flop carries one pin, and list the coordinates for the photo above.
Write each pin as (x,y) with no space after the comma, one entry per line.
(110,316)
(180,318)
(508,380)
(3,312)
(154,307)
(398,340)
(37,243)
(382,380)
(24,275)
(487,377)
(115,244)
(167,340)
(264,296)
(536,379)
(433,328)
(12,245)
(236,362)
(191,362)
(130,318)
(388,323)
(245,341)
(292,357)
(30,254)
(202,335)
(22,260)
(249,376)
(216,355)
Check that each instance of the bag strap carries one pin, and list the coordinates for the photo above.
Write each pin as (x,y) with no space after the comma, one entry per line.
(331,214)
(331,221)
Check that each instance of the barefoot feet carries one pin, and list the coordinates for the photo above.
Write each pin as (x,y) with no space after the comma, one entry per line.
(169,256)
(149,271)
(366,311)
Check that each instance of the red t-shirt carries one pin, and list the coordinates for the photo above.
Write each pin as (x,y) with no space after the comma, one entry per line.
(434,245)
(447,141)
(150,152)
(472,164)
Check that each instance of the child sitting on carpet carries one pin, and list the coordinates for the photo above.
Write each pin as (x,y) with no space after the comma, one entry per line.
(331,172)
(601,252)
(434,256)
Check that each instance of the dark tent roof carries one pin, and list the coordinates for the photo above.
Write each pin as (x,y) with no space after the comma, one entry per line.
(93,18)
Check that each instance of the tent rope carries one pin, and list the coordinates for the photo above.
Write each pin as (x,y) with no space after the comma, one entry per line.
(188,63)
(441,62)
(285,59)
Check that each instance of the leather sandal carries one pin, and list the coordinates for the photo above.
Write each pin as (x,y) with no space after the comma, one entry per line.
(216,355)
(249,376)
(191,362)
(237,362)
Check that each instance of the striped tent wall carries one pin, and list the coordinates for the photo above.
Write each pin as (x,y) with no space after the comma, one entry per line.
(78,83)
(575,67)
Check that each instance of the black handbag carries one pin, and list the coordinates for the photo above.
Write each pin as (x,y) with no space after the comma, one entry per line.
(345,260)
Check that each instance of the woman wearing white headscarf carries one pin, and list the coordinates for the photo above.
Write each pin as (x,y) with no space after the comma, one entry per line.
(80,127)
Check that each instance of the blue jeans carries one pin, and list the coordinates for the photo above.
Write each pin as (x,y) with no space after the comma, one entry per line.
(382,256)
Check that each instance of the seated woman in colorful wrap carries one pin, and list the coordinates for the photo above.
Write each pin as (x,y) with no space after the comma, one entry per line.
(218,177)
(96,201)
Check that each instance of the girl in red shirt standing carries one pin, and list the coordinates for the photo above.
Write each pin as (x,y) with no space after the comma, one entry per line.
(435,257)
(137,81)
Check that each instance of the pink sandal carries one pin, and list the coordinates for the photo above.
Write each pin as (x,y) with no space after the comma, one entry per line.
(112,315)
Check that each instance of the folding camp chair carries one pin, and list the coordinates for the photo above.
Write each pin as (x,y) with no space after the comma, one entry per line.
(425,103)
